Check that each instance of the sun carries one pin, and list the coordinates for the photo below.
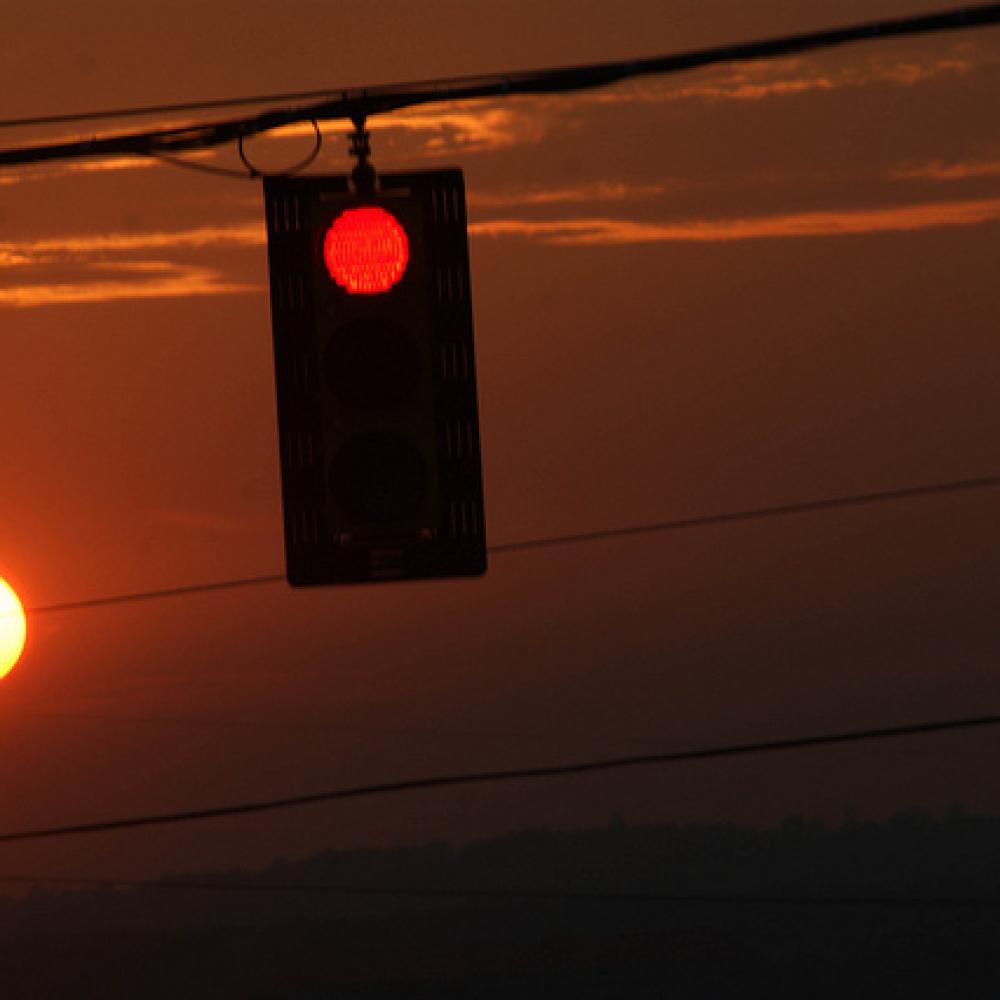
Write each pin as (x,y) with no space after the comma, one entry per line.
(13,628)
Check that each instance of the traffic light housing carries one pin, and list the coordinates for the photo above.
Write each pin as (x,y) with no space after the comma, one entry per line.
(375,376)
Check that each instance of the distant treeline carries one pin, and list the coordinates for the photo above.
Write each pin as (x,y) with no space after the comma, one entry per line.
(909,907)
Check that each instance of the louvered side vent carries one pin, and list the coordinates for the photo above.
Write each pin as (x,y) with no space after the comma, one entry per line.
(450,283)
(300,451)
(465,519)
(303,527)
(453,362)
(447,203)
(458,423)
(289,260)
(386,564)
(289,292)
(459,439)
(285,215)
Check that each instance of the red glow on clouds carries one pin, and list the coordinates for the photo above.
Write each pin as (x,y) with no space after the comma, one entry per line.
(366,250)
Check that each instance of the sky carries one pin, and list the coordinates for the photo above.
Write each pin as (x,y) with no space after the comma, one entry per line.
(732,288)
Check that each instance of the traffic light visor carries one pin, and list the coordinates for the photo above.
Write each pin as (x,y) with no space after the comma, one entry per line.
(366,250)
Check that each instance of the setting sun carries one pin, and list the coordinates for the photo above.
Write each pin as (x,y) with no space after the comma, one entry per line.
(13,628)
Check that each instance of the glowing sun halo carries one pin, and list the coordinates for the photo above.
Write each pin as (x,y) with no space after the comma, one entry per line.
(13,628)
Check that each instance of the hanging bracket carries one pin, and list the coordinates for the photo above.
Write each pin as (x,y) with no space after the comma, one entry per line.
(363,173)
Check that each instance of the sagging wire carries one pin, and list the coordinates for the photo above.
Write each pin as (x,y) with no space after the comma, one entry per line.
(252,172)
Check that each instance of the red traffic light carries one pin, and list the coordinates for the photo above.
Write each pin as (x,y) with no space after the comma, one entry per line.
(366,250)
(381,473)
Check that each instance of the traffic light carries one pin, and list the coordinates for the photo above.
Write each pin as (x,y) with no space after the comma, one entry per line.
(375,375)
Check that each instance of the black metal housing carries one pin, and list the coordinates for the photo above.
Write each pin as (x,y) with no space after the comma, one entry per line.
(377,415)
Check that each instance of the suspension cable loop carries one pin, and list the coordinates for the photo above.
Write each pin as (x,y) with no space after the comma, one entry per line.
(252,170)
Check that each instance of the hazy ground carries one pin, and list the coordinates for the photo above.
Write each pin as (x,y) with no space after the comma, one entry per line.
(542,913)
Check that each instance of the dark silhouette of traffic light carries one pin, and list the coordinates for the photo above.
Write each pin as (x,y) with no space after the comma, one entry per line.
(375,376)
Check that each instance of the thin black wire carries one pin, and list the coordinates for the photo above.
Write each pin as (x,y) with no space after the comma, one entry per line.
(167,109)
(155,595)
(364,102)
(756,514)
(540,895)
(579,538)
(251,172)
(495,777)
(203,168)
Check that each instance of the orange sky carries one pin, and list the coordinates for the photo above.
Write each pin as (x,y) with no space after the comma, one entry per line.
(731,288)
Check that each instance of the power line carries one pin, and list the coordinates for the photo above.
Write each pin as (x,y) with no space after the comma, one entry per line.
(539,895)
(154,595)
(360,102)
(579,538)
(495,777)
(757,513)
(143,111)
(878,29)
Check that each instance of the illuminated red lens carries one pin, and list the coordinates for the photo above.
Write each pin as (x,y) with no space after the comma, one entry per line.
(366,250)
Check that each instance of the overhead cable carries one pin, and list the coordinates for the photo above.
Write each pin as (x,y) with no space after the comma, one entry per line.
(575,768)
(922,490)
(881,29)
(505,895)
(358,103)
